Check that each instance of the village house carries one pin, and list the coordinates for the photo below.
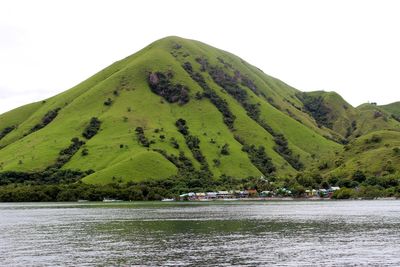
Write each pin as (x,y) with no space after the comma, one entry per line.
(211,195)
(252,193)
(311,193)
(188,196)
(225,194)
(266,194)
(200,196)
(241,194)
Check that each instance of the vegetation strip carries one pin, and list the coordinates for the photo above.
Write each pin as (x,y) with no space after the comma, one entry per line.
(66,154)
(230,85)
(47,119)
(92,128)
(260,159)
(192,142)
(6,131)
(141,137)
(209,93)
(160,83)
(48,176)
(316,108)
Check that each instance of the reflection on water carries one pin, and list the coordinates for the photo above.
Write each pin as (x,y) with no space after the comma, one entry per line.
(342,233)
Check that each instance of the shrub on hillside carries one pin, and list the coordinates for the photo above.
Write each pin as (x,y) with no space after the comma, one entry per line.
(203,63)
(316,107)
(92,128)
(67,153)
(174,143)
(377,114)
(260,159)
(108,102)
(193,143)
(47,118)
(374,139)
(85,152)
(281,146)
(216,162)
(6,131)
(246,81)
(161,84)
(141,137)
(181,125)
(225,150)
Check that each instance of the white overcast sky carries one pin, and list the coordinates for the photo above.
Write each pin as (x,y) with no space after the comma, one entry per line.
(351,47)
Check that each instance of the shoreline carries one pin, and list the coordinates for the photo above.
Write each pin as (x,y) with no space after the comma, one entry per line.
(213,201)
(283,199)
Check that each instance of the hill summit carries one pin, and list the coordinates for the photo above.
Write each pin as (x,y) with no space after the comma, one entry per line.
(181,108)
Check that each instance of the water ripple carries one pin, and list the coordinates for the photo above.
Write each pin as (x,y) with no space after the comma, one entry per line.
(342,233)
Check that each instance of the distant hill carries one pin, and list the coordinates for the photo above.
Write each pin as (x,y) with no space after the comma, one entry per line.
(393,108)
(179,107)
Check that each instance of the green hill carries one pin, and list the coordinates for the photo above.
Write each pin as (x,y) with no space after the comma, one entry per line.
(179,107)
(376,152)
(393,108)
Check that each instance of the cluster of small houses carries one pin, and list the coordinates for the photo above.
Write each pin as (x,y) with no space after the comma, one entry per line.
(254,194)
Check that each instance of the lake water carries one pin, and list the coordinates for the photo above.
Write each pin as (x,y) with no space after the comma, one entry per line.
(291,233)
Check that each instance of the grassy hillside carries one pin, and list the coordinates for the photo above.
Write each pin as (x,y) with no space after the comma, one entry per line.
(375,118)
(330,111)
(345,123)
(239,122)
(376,154)
(393,108)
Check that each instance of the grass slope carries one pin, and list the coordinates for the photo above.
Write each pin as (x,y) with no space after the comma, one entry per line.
(376,153)
(393,108)
(346,122)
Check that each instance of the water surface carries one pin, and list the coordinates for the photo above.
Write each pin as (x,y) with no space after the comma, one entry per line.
(292,233)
